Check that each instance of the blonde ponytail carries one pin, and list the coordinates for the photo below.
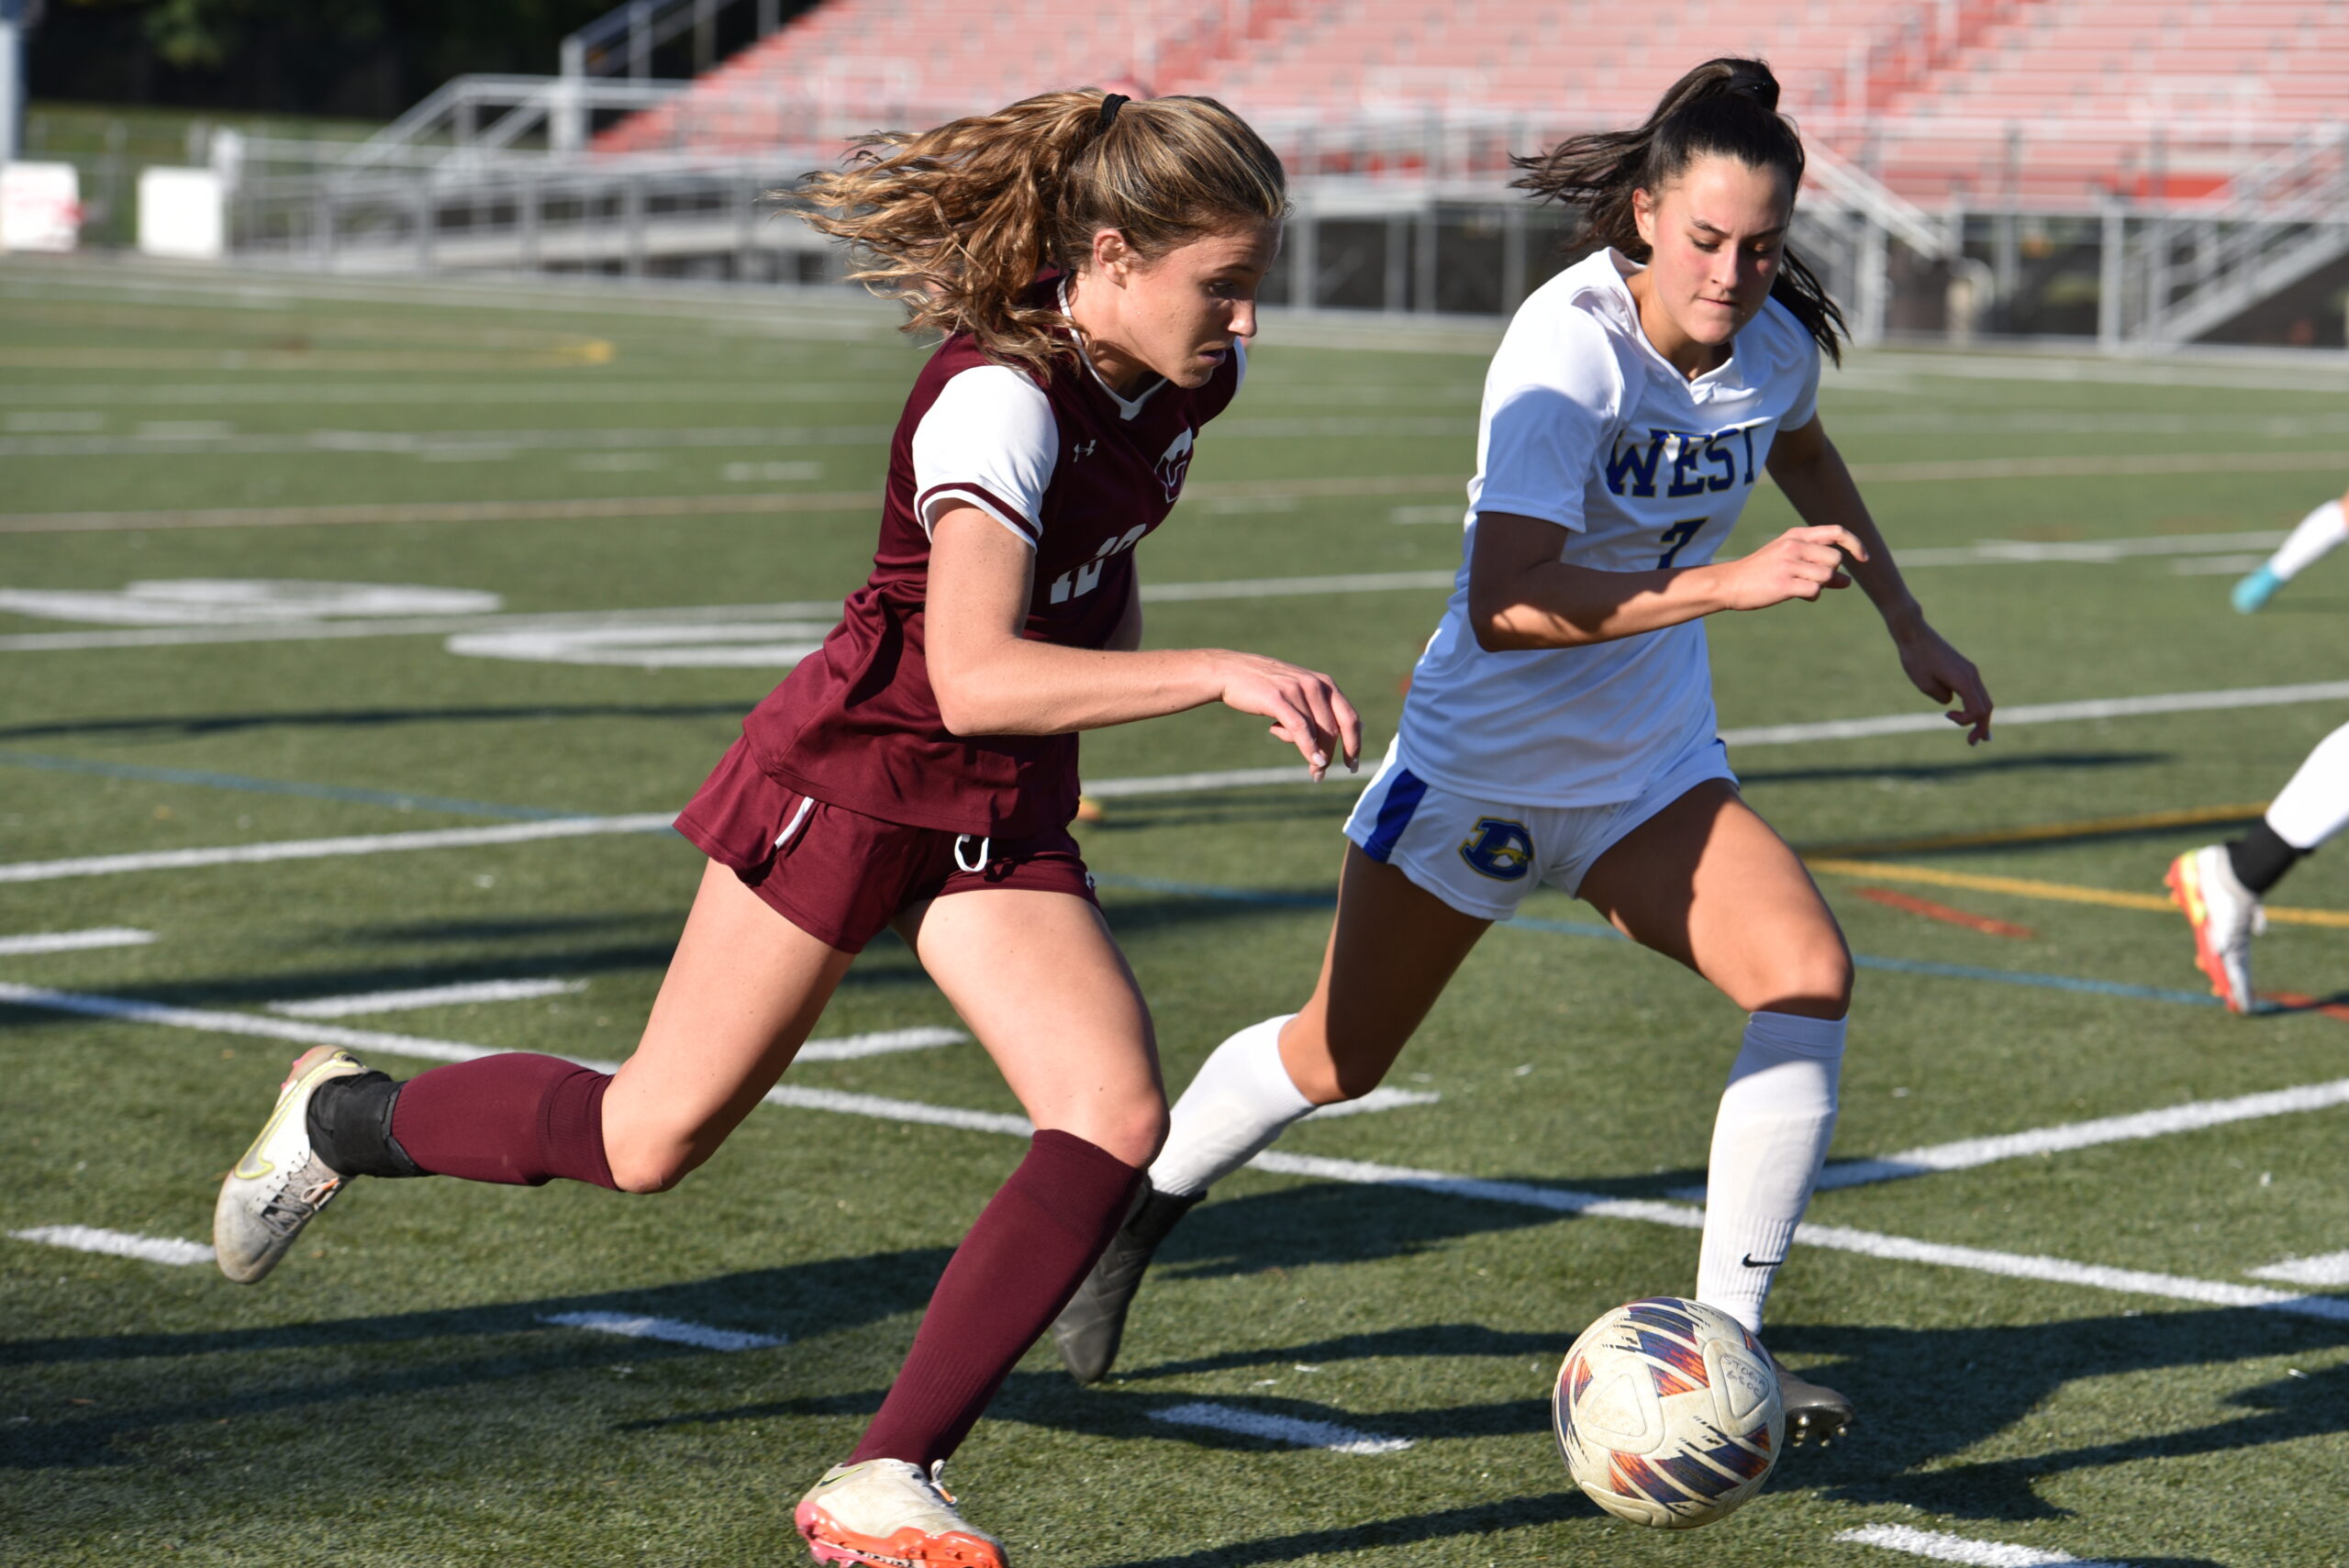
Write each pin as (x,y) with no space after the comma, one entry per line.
(957,222)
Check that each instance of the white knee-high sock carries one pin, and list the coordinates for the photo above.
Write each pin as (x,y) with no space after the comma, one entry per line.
(2308,542)
(1768,1143)
(2315,805)
(1241,1100)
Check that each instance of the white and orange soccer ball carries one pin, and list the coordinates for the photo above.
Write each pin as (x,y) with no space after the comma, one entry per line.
(1667,1412)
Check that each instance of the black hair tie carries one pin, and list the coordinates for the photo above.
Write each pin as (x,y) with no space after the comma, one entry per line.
(1761,89)
(1110,104)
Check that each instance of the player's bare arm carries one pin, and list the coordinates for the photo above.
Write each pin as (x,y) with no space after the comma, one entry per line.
(989,680)
(1521,595)
(1805,466)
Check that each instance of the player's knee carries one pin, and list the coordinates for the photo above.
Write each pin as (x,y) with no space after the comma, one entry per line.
(641,1163)
(1342,1069)
(1812,983)
(1132,1130)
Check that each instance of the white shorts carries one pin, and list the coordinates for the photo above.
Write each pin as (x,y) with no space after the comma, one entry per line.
(1482,857)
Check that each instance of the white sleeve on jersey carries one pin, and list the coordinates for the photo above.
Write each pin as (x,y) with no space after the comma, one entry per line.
(1552,398)
(989,440)
(1240,375)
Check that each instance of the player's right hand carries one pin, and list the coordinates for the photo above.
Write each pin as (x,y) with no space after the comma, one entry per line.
(1800,563)
(1306,708)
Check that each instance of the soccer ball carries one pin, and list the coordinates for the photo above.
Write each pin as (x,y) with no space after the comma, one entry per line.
(1667,1412)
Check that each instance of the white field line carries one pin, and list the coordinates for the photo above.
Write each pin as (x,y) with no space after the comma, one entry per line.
(1556,1200)
(1380,1099)
(296,1031)
(2082,466)
(2062,1271)
(328,849)
(2030,552)
(1168,784)
(1191,783)
(2044,713)
(881,1042)
(1287,587)
(410,626)
(73,941)
(675,1331)
(2328,1268)
(913,1111)
(1966,1154)
(2217,566)
(427,996)
(1985,553)
(712,615)
(1288,1429)
(118,1244)
(1943,1548)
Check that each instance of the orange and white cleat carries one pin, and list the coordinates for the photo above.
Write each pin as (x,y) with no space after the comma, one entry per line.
(885,1511)
(2225,916)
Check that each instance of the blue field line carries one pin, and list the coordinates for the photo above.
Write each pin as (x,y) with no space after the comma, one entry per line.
(1591,928)
(2046,982)
(399,799)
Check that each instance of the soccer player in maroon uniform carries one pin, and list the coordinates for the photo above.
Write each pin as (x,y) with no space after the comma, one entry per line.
(1094,261)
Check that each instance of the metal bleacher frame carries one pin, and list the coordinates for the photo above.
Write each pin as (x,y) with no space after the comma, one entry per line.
(1398,209)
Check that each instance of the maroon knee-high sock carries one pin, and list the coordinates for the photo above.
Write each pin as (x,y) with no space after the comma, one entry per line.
(517,1118)
(1031,1248)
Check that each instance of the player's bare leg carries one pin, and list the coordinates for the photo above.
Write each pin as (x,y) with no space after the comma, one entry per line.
(1708,883)
(1041,983)
(1392,949)
(1037,979)
(741,993)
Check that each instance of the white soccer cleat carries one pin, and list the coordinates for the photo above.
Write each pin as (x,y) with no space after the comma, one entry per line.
(886,1511)
(279,1184)
(2224,915)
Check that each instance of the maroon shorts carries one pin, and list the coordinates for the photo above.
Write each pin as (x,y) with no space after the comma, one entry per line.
(842,876)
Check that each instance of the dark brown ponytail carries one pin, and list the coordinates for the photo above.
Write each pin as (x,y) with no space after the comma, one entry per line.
(1726,107)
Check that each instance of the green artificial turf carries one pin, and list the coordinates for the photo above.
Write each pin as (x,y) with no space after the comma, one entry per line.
(392,1397)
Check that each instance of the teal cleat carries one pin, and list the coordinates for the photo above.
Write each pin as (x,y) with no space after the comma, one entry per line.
(2256,589)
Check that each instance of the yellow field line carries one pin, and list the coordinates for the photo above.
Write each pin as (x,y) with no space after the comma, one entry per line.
(2188,816)
(2055,892)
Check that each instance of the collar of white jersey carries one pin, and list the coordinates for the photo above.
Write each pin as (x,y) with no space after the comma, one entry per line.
(1128,407)
(1615,286)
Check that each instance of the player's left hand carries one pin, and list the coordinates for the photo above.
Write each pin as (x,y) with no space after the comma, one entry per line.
(1945,674)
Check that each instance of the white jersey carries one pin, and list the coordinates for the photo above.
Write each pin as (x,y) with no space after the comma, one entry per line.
(1586,426)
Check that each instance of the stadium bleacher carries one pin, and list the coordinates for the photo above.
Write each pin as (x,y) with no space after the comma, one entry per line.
(2053,100)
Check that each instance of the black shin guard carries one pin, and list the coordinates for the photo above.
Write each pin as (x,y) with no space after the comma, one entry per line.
(350,1127)
(2261,857)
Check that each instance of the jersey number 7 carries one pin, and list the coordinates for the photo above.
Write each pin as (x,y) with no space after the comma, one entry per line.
(1676,539)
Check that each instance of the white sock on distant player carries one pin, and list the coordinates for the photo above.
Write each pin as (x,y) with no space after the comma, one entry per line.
(1769,1140)
(2315,805)
(2318,533)
(1241,1100)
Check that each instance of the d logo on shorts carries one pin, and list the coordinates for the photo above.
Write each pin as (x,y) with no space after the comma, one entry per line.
(1499,849)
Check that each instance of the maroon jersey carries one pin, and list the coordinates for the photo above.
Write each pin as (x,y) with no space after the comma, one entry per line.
(1080,473)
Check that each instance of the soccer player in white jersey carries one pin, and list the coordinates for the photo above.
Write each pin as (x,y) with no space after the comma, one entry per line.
(2218,886)
(1560,726)
(2315,537)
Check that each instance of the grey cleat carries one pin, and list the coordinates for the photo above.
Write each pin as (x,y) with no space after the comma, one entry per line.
(1088,1329)
(280,1183)
(1814,1413)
